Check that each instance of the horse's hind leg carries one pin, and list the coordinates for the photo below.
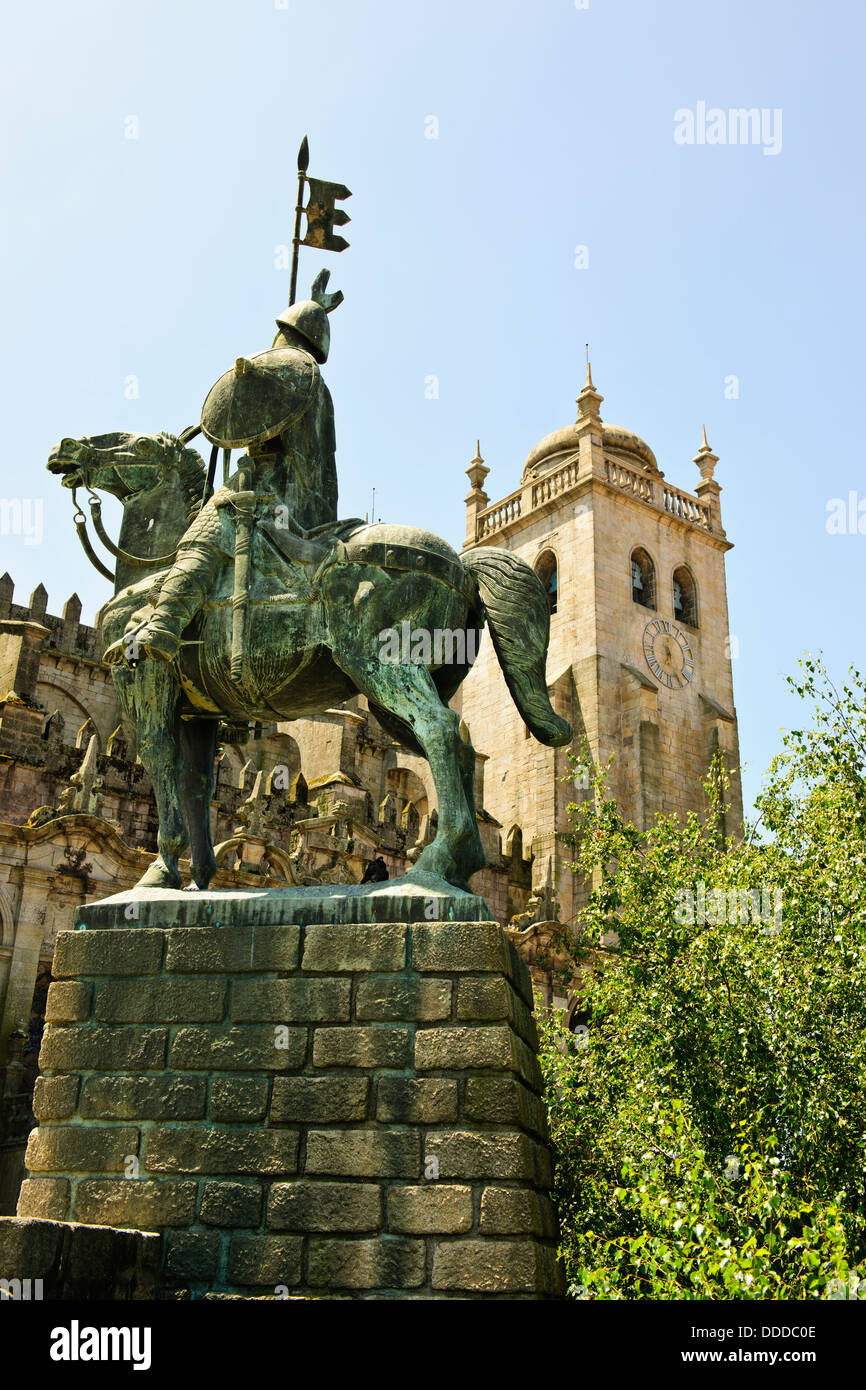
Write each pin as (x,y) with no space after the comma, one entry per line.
(198,739)
(151,696)
(407,690)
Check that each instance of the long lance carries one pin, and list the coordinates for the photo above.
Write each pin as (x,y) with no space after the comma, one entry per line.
(244,500)
(303,164)
(322,217)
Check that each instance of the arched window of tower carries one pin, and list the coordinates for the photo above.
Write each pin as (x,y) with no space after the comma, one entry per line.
(685,597)
(643,578)
(546,569)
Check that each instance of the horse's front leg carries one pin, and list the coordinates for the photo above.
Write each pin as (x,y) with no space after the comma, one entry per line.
(151,696)
(198,738)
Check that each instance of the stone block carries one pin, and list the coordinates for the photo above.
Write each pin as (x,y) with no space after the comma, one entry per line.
(132,951)
(212,1151)
(504,1100)
(391,1262)
(241,1048)
(491,998)
(507,1211)
(324,1206)
(47,1198)
(318,1099)
(232,950)
(231,1204)
(133,1203)
(386,999)
(84,1047)
(361,1047)
(238,1098)
(68,1001)
(459,946)
(364,1153)
(55,1098)
(489,1266)
(143,1097)
(67,1149)
(291,1001)
(265,1260)
(333,949)
(432,1209)
(486,1154)
(160,1001)
(191,1257)
(475,1047)
(406,1100)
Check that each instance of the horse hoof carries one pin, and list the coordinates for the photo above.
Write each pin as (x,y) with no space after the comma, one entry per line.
(159,876)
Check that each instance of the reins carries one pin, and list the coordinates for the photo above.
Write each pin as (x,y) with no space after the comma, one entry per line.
(95,504)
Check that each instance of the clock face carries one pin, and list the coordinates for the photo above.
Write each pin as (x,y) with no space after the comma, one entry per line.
(668,654)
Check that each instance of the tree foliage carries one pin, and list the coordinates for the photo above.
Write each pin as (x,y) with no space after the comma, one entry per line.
(709,1124)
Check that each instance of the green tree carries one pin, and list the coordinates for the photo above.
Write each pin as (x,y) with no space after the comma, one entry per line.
(710,1123)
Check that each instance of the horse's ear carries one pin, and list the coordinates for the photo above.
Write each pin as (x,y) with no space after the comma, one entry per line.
(188,434)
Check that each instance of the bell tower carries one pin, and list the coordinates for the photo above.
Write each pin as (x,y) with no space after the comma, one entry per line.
(640,655)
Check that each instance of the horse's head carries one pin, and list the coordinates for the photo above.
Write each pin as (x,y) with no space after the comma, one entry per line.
(121,463)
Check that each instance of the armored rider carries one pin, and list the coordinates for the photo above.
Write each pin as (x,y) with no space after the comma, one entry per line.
(278,406)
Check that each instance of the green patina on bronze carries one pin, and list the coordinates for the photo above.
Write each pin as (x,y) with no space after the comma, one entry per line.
(261,604)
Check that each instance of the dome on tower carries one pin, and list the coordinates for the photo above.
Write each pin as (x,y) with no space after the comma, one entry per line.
(614,438)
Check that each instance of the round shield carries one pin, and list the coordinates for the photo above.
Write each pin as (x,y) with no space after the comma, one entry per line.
(259,397)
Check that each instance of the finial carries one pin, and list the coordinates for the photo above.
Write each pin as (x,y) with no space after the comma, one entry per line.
(705,458)
(477,472)
(589,400)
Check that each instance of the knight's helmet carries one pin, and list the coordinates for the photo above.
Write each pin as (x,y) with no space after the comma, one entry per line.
(262,395)
(310,318)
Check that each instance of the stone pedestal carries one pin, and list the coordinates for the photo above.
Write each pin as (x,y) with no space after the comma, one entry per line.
(323,1111)
(58,1261)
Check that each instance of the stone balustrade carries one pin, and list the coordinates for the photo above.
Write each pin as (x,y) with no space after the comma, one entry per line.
(560,480)
(687,508)
(499,516)
(682,505)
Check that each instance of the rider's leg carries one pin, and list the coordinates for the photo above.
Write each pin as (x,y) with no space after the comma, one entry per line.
(185,589)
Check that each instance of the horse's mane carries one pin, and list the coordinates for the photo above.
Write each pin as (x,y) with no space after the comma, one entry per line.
(192,474)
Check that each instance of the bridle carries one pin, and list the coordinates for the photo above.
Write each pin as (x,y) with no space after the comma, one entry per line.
(95,505)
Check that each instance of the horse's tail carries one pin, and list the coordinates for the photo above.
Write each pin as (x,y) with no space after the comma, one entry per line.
(516,607)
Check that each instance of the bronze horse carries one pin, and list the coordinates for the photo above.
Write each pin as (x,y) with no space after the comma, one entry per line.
(317,620)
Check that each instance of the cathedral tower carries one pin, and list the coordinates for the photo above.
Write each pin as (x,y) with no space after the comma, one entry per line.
(640,653)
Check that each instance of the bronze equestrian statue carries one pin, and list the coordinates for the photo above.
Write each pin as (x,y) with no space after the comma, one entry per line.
(256,603)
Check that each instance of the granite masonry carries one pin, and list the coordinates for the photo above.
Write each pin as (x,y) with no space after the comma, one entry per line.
(340,1111)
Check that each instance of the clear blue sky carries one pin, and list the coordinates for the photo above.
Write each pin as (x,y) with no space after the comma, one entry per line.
(155,258)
